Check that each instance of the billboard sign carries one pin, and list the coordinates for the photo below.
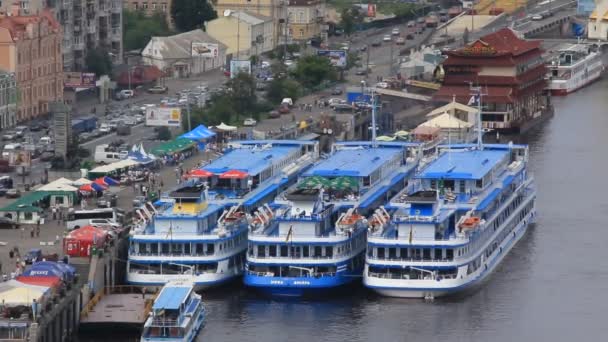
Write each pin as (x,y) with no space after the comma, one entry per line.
(20,158)
(79,79)
(207,50)
(163,116)
(237,67)
(336,57)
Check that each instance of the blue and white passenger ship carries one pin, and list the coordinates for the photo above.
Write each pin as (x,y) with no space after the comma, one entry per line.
(315,240)
(199,232)
(177,315)
(451,229)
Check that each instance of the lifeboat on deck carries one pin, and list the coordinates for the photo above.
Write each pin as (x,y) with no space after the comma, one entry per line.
(470,223)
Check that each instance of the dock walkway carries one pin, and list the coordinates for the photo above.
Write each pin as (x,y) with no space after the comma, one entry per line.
(122,305)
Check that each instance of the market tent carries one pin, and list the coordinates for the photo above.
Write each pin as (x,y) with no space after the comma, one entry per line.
(81,181)
(105,169)
(58,185)
(199,133)
(173,146)
(448,121)
(452,107)
(341,183)
(313,182)
(101,182)
(110,181)
(234,174)
(199,173)
(91,187)
(80,242)
(68,271)
(402,134)
(224,127)
(26,203)
(21,296)
(51,282)
(139,155)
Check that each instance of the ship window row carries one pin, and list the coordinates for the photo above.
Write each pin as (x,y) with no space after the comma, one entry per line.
(158,268)
(414,254)
(292,271)
(290,251)
(412,273)
(185,248)
(511,222)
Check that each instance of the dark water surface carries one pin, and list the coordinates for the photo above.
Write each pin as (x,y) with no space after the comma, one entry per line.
(552,287)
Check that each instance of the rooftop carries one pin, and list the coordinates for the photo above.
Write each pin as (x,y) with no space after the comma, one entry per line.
(466,164)
(252,161)
(499,43)
(171,297)
(250,17)
(355,162)
(179,45)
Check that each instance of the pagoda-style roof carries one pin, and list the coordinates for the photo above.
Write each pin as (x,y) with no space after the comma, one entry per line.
(503,42)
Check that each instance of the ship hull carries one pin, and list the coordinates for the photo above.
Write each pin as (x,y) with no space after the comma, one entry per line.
(296,287)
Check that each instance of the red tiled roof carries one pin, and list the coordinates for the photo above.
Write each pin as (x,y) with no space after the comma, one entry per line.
(463,94)
(19,23)
(504,42)
(529,75)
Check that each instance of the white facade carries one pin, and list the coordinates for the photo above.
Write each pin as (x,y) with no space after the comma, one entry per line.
(173,55)
(597,27)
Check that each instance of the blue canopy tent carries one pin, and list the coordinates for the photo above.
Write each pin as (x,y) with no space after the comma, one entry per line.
(139,155)
(199,133)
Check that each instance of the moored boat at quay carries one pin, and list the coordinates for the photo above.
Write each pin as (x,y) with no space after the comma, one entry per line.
(177,315)
(451,229)
(314,241)
(198,232)
(574,67)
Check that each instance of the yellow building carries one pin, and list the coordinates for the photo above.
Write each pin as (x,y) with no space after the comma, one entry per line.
(275,9)
(305,18)
(597,26)
(244,33)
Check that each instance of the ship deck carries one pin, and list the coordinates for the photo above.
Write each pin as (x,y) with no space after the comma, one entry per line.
(117,308)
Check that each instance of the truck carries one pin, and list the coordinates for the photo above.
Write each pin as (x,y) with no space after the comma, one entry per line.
(85,124)
(35,255)
(105,154)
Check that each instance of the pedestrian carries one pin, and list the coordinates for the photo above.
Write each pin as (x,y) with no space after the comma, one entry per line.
(54,211)
(162,183)
(32,232)
(22,232)
(56,239)
(38,232)
(38,224)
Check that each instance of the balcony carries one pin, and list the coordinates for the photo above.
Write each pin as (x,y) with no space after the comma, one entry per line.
(116,7)
(91,29)
(116,34)
(66,4)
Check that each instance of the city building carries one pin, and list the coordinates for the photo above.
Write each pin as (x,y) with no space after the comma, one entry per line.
(511,74)
(597,27)
(176,56)
(275,9)
(30,47)
(151,7)
(585,7)
(305,18)
(244,33)
(8,99)
(86,24)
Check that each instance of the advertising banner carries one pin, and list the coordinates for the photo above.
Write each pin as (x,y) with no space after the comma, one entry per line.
(163,116)
(237,67)
(79,79)
(336,57)
(207,50)
(371,10)
(20,158)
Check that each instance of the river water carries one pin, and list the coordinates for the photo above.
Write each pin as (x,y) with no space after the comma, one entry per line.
(552,287)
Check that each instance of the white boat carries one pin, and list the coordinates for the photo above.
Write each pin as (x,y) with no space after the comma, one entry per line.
(574,67)
(453,227)
(199,230)
(177,315)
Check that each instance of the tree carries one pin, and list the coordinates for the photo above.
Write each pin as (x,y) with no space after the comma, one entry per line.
(311,71)
(242,93)
(191,14)
(163,133)
(348,21)
(280,88)
(139,28)
(98,61)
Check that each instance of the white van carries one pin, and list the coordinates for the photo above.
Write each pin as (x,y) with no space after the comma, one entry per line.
(103,155)
(94,217)
(46,140)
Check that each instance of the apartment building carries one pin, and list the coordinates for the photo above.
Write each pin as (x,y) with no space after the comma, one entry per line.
(86,24)
(244,33)
(30,47)
(275,9)
(8,99)
(305,18)
(150,7)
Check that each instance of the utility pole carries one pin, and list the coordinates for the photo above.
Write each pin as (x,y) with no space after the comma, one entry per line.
(392,61)
(367,63)
(238,35)
(188,113)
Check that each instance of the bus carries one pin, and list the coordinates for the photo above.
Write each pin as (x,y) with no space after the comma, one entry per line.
(81,218)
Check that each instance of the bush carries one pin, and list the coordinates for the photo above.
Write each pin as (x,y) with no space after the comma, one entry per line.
(163,133)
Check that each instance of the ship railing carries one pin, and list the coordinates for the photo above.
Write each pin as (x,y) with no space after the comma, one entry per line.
(311,275)
(165,322)
(391,275)
(409,259)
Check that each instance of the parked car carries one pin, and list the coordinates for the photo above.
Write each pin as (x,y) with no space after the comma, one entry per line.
(376,43)
(395,32)
(250,122)
(125,94)
(274,114)
(363,48)
(9,136)
(382,85)
(287,102)
(343,107)
(360,72)
(5,222)
(283,109)
(103,223)
(400,41)
(336,91)
(334,101)
(158,90)
(13,193)
(387,38)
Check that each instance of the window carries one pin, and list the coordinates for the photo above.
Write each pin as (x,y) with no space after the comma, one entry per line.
(186,248)
(272,250)
(164,6)
(136,6)
(199,248)
(145,6)
(449,254)
(462,186)
(305,251)
(380,253)
(154,6)
(261,251)
(283,251)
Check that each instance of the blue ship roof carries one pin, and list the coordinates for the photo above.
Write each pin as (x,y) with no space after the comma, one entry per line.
(471,164)
(250,161)
(171,298)
(354,163)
